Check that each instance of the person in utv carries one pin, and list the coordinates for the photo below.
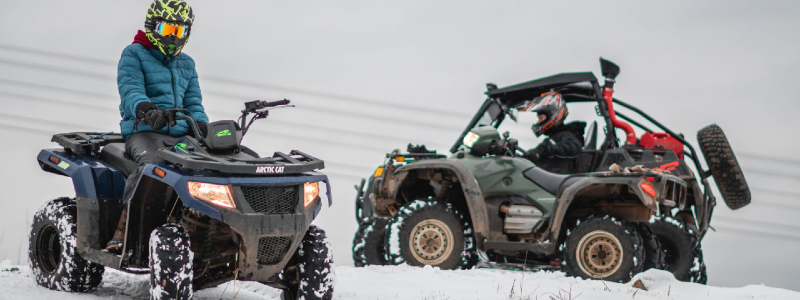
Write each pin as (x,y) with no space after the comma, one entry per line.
(565,140)
(153,75)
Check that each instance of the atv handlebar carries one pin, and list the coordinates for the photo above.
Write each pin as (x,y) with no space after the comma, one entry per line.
(252,106)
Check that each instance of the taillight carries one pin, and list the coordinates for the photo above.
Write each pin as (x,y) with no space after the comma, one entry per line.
(647,188)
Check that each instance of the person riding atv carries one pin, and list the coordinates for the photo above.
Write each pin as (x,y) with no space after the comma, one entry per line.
(565,140)
(609,212)
(153,75)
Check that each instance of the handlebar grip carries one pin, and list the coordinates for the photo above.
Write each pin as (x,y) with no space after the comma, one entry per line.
(275,103)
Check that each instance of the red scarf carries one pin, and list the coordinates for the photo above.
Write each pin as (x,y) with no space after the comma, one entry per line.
(141,38)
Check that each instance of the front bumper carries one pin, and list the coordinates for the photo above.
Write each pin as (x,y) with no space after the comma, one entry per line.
(268,235)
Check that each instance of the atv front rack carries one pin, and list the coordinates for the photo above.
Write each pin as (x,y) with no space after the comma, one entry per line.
(86,143)
(280,163)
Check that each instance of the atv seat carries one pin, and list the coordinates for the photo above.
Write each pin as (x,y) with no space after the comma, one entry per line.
(115,155)
(548,181)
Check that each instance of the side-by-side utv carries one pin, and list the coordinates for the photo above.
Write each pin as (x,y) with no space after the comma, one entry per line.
(215,211)
(488,204)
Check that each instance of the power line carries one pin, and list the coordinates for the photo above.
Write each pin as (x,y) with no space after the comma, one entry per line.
(776,192)
(739,231)
(772,173)
(57,70)
(770,158)
(255,130)
(382,117)
(344,98)
(763,223)
(56,54)
(310,107)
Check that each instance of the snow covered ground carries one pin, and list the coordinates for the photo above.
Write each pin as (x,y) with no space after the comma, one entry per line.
(403,282)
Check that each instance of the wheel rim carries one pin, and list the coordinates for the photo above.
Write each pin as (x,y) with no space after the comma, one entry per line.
(599,254)
(431,242)
(48,248)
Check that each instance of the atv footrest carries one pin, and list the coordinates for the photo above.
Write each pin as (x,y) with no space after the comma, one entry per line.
(520,246)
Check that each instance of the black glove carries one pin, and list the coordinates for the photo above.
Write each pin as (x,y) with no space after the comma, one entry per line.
(153,116)
(536,153)
(203,127)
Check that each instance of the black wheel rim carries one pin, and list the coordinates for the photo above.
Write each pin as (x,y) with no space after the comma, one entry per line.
(671,254)
(48,248)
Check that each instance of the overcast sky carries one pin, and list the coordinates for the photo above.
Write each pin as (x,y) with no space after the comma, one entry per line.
(371,76)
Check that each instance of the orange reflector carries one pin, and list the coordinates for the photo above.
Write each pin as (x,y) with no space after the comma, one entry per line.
(54,159)
(159,172)
(647,188)
(378,172)
(400,159)
(651,179)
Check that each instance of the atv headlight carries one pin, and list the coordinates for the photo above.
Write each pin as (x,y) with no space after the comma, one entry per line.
(470,139)
(310,192)
(214,193)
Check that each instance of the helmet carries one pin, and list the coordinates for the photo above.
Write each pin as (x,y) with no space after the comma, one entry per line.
(553,107)
(167,25)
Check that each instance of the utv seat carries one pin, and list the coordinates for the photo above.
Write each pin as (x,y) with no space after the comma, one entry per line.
(115,155)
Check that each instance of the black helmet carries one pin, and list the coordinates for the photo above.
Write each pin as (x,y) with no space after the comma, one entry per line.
(167,25)
(553,106)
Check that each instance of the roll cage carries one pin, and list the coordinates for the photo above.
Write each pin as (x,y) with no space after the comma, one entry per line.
(574,87)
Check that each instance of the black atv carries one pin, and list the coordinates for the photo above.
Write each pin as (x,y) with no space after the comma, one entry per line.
(487,203)
(215,212)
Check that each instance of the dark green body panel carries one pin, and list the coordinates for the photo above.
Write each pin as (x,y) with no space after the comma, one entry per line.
(492,174)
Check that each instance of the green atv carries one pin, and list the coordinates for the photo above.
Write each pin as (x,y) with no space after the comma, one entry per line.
(487,204)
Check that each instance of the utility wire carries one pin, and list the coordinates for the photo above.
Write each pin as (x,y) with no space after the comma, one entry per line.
(776,192)
(756,233)
(770,158)
(384,118)
(774,173)
(254,130)
(343,98)
(762,223)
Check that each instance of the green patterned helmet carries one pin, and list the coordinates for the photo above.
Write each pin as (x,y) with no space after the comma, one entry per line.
(168,25)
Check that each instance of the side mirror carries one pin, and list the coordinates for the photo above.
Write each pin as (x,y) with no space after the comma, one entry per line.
(609,69)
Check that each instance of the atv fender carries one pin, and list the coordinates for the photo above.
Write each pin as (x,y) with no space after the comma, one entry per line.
(472,192)
(568,194)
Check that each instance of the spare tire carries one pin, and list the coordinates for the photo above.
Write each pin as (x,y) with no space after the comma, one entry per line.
(724,166)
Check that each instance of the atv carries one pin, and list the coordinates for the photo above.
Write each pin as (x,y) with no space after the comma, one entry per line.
(487,204)
(215,212)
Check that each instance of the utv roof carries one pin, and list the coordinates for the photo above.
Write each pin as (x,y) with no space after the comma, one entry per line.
(529,90)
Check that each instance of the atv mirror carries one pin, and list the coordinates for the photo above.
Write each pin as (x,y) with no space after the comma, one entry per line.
(609,69)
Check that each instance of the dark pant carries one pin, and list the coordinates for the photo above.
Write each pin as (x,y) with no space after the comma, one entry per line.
(142,147)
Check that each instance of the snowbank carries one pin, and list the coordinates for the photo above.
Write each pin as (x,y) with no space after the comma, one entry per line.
(403,282)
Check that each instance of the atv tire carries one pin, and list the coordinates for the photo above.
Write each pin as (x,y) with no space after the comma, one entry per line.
(426,232)
(724,166)
(368,243)
(53,253)
(603,247)
(171,260)
(682,254)
(653,253)
(310,273)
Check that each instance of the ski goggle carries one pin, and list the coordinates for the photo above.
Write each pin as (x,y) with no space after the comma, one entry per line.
(165,29)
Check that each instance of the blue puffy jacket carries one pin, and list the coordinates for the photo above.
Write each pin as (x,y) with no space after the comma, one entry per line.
(168,82)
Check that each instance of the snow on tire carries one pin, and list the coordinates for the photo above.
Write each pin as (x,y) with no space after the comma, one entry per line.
(602,247)
(683,255)
(314,268)
(653,253)
(170,263)
(428,232)
(368,243)
(53,254)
